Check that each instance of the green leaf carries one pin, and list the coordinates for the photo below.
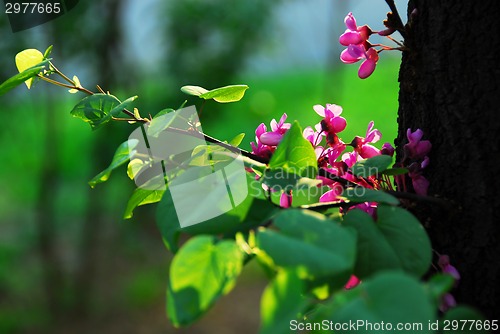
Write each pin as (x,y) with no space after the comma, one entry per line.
(159,124)
(123,105)
(396,241)
(142,196)
(466,320)
(318,247)
(236,141)
(201,272)
(281,302)
(371,166)
(295,154)
(134,167)
(361,194)
(407,236)
(193,90)
(226,94)
(252,212)
(164,112)
(389,297)
(19,78)
(27,59)
(438,285)
(395,171)
(47,52)
(95,109)
(122,156)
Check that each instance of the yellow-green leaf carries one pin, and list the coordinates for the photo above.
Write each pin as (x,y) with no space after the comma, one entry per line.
(226,94)
(26,59)
(193,90)
(77,84)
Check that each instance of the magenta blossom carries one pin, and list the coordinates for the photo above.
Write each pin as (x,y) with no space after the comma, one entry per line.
(416,147)
(333,194)
(355,53)
(285,200)
(266,141)
(420,183)
(332,122)
(446,267)
(258,148)
(314,137)
(387,149)
(358,47)
(273,137)
(352,282)
(362,145)
(354,34)
(416,151)
(447,302)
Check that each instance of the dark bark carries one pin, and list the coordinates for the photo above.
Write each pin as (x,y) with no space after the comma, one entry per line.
(450,88)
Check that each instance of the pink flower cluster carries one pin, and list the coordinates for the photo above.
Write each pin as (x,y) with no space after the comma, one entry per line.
(331,152)
(448,301)
(336,158)
(355,38)
(416,160)
(358,47)
(266,141)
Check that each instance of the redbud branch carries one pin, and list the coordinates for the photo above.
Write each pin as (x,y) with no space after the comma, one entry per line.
(212,140)
(395,41)
(400,26)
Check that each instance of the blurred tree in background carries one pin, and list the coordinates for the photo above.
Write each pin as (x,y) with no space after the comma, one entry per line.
(209,41)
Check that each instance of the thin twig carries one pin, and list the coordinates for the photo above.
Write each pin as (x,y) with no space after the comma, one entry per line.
(218,143)
(401,27)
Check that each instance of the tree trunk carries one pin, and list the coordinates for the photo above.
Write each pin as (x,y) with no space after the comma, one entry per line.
(449,87)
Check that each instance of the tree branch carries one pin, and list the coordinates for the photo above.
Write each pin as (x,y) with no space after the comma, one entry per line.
(400,27)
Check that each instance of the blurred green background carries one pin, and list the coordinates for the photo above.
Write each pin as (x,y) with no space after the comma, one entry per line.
(68,262)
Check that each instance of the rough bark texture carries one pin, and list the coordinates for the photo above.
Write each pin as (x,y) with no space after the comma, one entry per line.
(450,88)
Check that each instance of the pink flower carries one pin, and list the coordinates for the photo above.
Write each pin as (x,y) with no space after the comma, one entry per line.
(420,184)
(416,150)
(266,141)
(447,302)
(368,66)
(446,267)
(354,34)
(352,283)
(355,53)
(332,122)
(361,145)
(286,200)
(416,147)
(358,47)
(258,148)
(273,137)
(387,149)
(350,158)
(333,194)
